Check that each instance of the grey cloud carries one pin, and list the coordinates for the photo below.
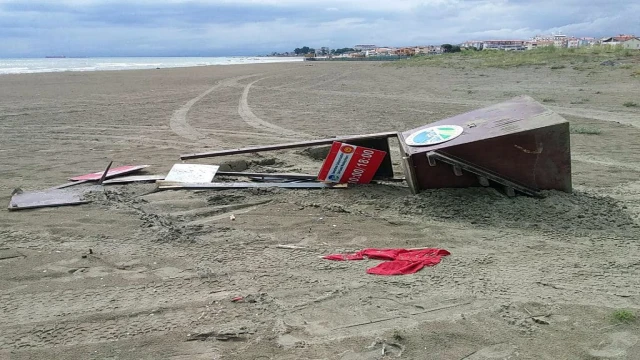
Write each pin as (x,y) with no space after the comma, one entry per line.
(206,28)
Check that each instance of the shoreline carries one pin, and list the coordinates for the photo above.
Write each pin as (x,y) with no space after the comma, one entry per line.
(97,64)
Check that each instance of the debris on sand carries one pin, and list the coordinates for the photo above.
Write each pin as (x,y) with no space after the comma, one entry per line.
(134,178)
(399,261)
(48,198)
(121,170)
(527,154)
(221,335)
(247,185)
(192,173)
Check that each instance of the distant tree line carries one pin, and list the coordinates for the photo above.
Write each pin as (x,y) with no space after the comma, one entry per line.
(324,51)
(448,48)
(304,50)
(342,51)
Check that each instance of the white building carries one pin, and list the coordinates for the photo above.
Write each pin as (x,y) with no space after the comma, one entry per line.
(573,43)
(632,44)
(364,47)
(504,45)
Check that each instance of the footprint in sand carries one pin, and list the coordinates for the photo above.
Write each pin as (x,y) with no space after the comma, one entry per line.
(615,347)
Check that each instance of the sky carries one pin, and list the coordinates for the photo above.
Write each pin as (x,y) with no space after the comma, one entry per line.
(36,28)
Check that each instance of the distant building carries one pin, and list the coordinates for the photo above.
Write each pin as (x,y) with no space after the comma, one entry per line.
(586,41)
(616,40)
(609,41)
(534,44)
(472,44)
(573,43)
(622,37)
(384,51)
(504,45)
(631,44)
(427,50)
(364,47)
(560,41)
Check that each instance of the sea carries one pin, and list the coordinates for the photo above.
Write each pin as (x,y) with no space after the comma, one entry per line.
(33,65)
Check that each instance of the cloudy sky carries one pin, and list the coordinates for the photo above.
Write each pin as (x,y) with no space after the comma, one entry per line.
(249,27)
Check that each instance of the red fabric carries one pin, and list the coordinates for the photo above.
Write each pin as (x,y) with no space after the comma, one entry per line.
(400,261)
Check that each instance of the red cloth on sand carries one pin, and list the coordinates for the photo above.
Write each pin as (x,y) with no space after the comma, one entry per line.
(400,261)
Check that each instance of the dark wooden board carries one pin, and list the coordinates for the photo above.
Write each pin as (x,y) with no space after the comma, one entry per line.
(299,144)
(47,198)
(247,185)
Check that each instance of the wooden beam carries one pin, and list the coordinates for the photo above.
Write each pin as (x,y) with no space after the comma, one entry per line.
(73,183)
(293,145)
(133,178)
(269,175)
(104,174)
(247,185)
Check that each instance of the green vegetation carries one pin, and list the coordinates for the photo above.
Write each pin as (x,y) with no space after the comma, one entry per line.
(323,51)
(304,50)
(630,104)
(624,316)
(448,48)
(342,51)
(556,67)
(556,58)
(584,131)
(548,100)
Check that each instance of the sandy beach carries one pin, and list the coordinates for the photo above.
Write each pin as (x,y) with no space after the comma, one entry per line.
(135,275)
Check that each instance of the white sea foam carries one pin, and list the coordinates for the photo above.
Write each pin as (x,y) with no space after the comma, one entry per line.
(26,66)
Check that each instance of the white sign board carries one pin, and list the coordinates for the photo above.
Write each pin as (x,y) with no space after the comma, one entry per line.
(192,173)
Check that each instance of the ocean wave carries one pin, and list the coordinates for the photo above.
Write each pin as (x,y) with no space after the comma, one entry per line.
(26,66)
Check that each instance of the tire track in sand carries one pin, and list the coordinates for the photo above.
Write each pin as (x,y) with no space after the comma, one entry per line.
(253,120)
(626,118)
(179,123)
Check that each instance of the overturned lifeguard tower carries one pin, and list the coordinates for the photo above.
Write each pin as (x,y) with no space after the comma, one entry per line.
(518,144)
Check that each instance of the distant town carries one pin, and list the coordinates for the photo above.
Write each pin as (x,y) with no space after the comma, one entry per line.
(556,40)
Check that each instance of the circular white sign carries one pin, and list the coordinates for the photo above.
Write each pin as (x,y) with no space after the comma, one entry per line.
(434,135)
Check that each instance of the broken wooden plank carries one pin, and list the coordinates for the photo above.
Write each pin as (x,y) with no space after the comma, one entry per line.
(270,175)
(47,198)
(410,174)
(134,178)
(298,144)
(270,179)
(73,183)
(121,170)
(7,253)
(192,173)
(104,174)
(162,184)
(383,180)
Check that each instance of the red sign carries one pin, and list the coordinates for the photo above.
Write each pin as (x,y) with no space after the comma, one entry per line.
(350,164)
(112,172)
